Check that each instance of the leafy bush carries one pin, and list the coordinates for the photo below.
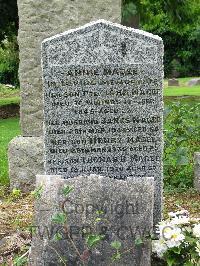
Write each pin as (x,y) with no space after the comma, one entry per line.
(181,57)
(181,134)
(9,62)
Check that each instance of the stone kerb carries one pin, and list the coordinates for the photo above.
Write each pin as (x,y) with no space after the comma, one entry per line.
(125,209)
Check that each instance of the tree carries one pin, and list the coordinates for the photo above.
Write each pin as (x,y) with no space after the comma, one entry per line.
(8,19)
(177,22)
(131,12)
(9,54)
(135,12)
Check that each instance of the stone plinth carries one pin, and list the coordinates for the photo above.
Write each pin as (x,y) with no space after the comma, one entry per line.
(26,159)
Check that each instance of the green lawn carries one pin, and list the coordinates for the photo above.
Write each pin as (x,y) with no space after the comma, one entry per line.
(8,95)
(9,128)
(182,91)
(191,100)
(7,101)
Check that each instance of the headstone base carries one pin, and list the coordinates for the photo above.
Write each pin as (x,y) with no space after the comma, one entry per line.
(115,209)
(25,155)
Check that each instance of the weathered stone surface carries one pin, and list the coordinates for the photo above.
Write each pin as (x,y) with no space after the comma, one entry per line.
(197,170)
(103,103)
(193,82)
(127,215)
(25,156)
(173,82)
(38,21)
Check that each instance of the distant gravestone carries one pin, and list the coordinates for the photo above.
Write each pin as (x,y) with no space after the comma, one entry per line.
(119,211)
(194,82)
(197,170)
(173,82)
(103,104)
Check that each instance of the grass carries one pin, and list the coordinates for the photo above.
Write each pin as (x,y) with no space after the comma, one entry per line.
(188,200)
(9,128)
(8,101)
(182,91)
(9,95)
(191,100)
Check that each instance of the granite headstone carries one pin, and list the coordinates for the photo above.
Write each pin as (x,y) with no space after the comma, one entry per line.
(39,20)
(119,211)
(103,103)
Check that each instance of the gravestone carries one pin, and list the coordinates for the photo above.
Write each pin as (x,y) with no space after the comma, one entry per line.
(173,82)
(193,82)
(38,21)
(103,104)
(117,211)
(197,171)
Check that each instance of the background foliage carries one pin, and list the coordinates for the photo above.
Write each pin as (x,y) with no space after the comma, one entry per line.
(9,55)
(9,61)
(8,19)
(177,22)
(181,135)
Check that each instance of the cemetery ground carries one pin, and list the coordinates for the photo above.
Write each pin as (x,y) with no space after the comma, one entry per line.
(181,130)
(8,95)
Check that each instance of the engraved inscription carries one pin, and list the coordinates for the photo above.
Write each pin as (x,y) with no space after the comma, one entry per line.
(87,124)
